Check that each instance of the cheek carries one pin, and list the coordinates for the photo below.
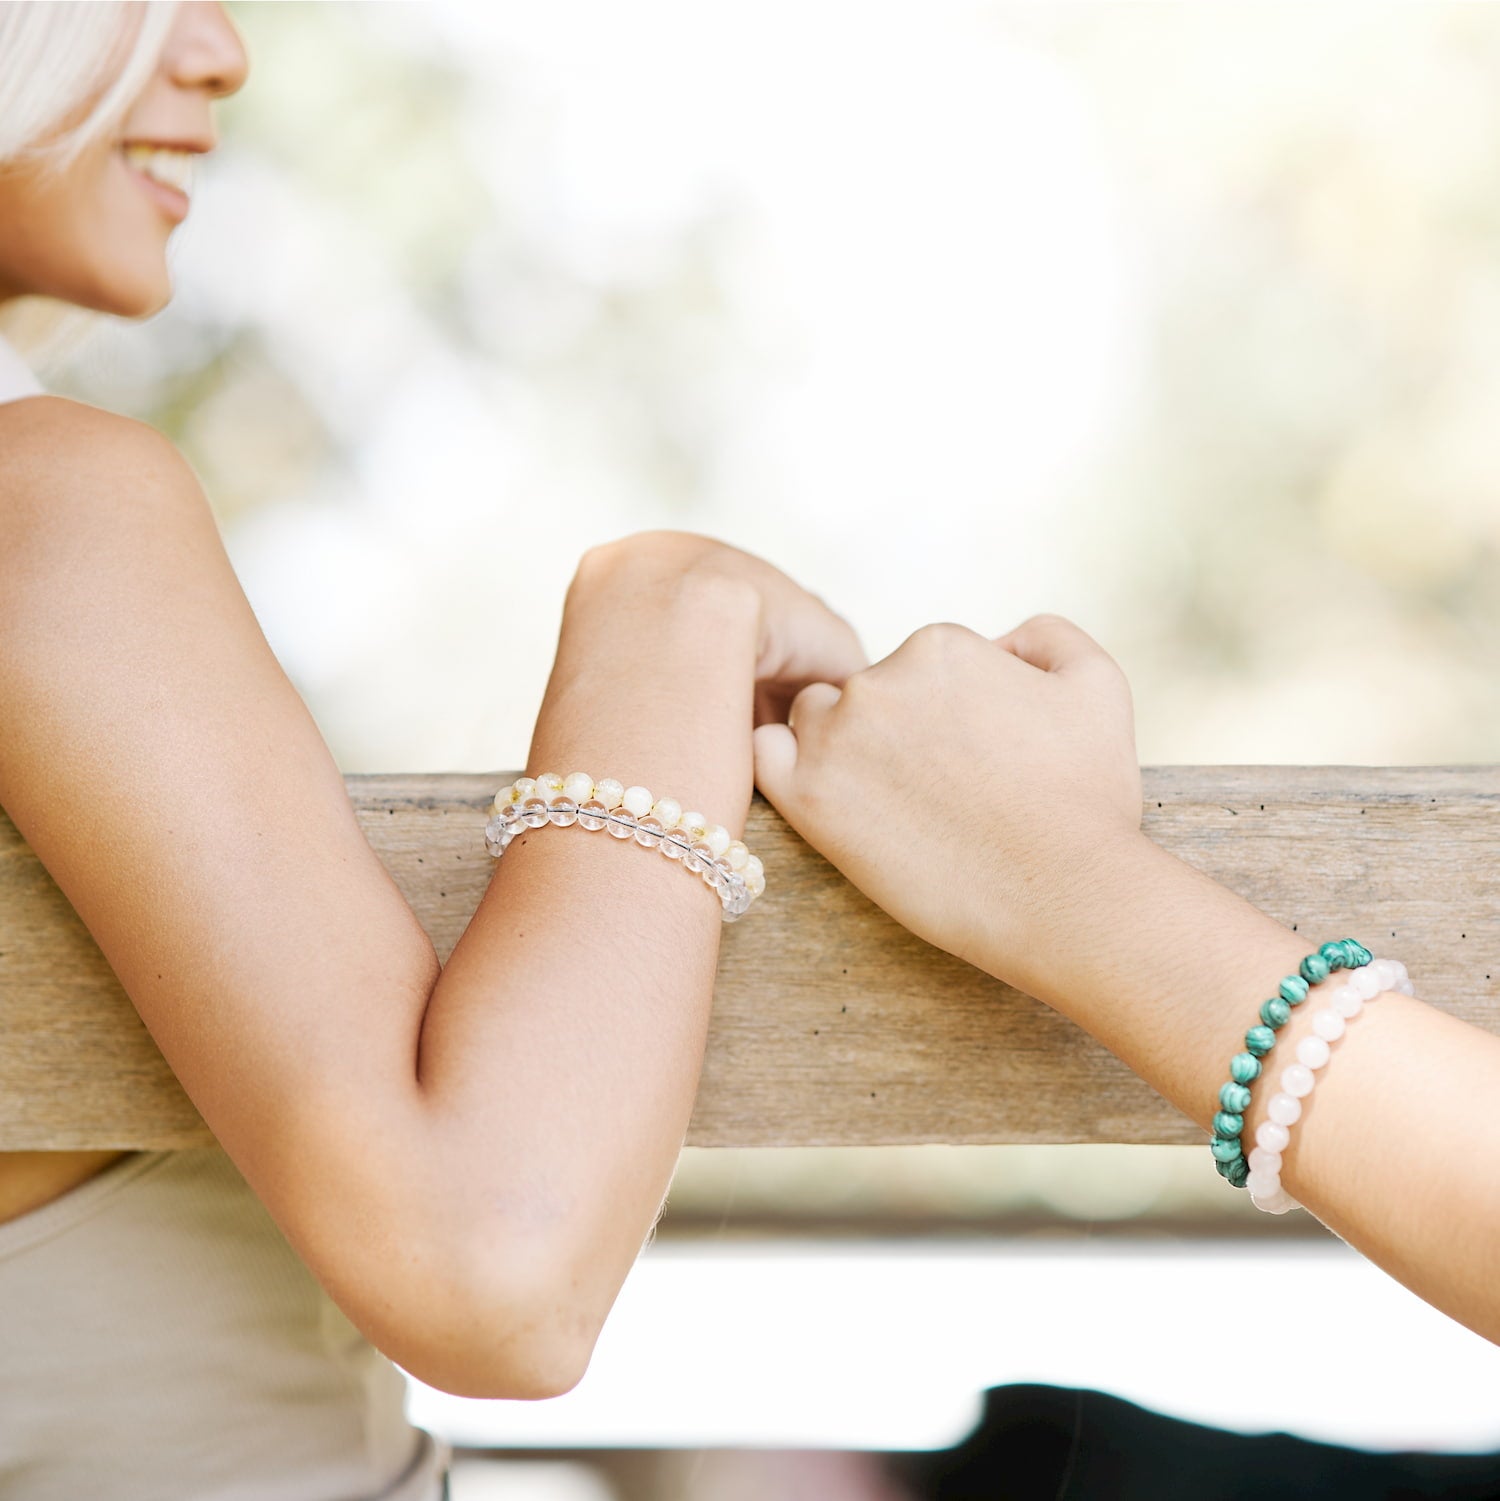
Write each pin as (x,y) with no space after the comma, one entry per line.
(88,237)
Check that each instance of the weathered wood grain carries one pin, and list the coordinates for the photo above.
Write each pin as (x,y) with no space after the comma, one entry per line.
(831,1024)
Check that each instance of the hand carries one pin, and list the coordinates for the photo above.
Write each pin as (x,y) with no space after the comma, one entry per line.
(965,785)
(798,639)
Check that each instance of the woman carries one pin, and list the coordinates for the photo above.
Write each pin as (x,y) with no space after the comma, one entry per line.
(456,1167)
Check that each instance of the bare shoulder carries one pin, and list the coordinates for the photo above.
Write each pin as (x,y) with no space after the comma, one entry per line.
(44,434)
(80,485)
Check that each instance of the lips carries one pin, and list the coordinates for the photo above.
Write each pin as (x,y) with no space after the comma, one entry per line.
(169,166)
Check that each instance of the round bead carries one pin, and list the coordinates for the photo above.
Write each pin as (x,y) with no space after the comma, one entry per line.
(674,846)
(1328,1024)
(636,801)
(717,839)
(609,792)
(712,871)
(1385,975)
(563,811)
(1228,1126)
(1275,1012)
(694,825)
(755,884)
(1364,984)
(1234,1098)
(648,831)
(1352,953)
(1407,988)
(1222,1168)
(1237,1172)
(1346,1002)
(736,855)
(579,786)
(1297,1080)
(1335,955)
(1276,1203)
(667,811)
(1225,1150)
(533,812)
(1362,955)
(1263,1185)
(1263,1160)
(591,814)
(1314,969)
(549,785)
(1260,1041)
(1244,1068)
(699,857)
(1293,990)
(508,816)
(620,824)
(1284,1109)
(522,788)
(1272,1136)
(754,870)
(1312,1051)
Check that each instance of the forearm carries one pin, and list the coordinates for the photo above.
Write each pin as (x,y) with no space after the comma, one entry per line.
(560,1050)
(1168,969)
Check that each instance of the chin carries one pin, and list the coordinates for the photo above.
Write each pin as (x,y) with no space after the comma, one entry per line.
(131,296)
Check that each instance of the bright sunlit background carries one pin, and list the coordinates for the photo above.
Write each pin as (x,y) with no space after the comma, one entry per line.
(1181,320)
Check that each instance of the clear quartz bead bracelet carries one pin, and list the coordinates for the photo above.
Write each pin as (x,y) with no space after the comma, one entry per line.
(704,848)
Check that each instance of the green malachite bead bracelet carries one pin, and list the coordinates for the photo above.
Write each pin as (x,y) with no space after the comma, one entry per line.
(1244,1068)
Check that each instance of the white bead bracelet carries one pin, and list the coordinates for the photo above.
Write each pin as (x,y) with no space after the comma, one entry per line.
(704,848)
(1284,1109)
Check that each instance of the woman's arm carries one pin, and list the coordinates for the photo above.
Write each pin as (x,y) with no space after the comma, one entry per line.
(468,1161)
(1010,835)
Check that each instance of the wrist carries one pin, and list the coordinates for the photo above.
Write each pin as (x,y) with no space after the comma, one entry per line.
(653,682)
(1046,933)
(1159,962)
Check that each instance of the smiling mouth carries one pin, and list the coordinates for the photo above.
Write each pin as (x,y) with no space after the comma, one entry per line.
(162,164)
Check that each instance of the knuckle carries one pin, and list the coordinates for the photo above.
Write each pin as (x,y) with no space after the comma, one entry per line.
(1050,620)
(859,688)
(938,638)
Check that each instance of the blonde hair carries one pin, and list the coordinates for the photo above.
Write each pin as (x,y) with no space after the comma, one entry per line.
(54,59)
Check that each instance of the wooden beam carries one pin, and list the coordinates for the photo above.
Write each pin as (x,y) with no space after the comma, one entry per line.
(832,1025)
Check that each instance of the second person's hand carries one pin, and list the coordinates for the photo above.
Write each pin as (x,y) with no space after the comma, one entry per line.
(965,784)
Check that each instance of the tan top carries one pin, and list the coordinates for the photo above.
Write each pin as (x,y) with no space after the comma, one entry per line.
(160,1339)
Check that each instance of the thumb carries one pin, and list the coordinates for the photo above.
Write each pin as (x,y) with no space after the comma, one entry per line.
(775,763)
(1052,643)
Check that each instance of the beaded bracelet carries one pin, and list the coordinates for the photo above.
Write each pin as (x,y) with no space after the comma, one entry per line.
(657,823)
(1284,1109)
(1297,1079)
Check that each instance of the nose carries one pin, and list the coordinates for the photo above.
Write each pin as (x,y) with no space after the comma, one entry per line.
(204,50)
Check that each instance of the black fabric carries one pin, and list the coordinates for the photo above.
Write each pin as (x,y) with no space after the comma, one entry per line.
(1046,1443)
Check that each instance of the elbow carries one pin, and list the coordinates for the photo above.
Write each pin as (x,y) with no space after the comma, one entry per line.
(496,1330)
(497,1365)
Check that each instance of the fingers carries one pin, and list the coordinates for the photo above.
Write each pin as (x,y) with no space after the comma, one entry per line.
(776,745)
(775,763)
(1054,644)
(823,648)
(810,705)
